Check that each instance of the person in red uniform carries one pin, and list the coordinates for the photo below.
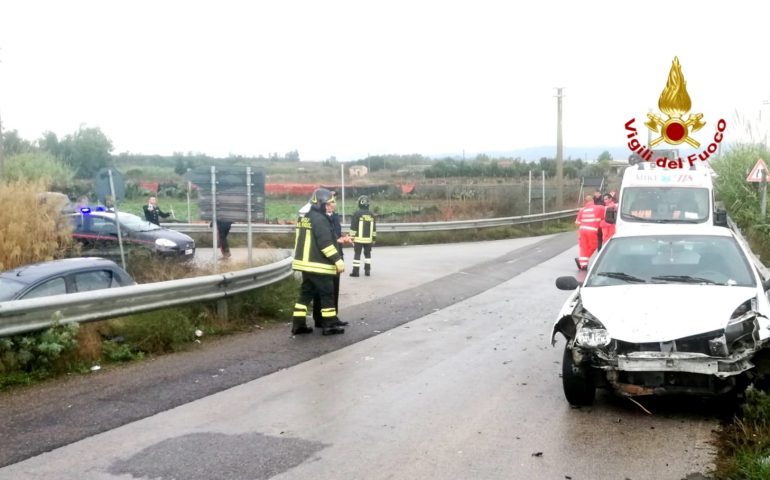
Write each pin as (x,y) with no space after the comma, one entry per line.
(588,220)
(608,229)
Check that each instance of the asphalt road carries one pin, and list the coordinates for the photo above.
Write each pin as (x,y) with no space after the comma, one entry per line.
(445,375)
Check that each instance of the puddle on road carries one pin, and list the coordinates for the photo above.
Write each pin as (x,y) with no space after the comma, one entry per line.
(203,456)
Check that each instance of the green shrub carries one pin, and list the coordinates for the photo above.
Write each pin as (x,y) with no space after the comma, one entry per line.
(115,351)
(741,198)
(45,353)
(744,445)
(161,331)
(274,302)
(38,166)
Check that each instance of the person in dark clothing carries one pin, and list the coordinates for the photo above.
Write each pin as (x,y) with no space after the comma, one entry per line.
(336,225)
(317,256)
(152,212)
(223,228)
(600,208)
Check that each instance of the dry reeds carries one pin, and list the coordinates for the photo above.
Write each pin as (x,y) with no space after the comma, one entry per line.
(30,231)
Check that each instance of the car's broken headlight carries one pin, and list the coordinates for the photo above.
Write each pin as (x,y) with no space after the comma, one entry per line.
(742,323)
(592,337)
(591,333)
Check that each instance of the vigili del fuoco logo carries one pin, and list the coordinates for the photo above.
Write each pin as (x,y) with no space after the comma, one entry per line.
(673,127)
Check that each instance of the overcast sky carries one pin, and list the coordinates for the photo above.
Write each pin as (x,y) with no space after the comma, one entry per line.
(347,79)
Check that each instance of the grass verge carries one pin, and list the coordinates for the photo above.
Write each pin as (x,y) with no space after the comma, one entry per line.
(744,442)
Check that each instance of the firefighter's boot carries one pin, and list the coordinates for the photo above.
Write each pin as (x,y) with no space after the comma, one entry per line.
(354,273)
(332,330)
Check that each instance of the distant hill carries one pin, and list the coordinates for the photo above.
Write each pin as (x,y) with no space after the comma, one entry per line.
(536,153)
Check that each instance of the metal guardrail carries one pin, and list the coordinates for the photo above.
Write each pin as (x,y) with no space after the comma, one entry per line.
(20,316)
(388,227)
(763,270)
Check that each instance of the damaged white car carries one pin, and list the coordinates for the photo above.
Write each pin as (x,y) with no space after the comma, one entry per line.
(664,310)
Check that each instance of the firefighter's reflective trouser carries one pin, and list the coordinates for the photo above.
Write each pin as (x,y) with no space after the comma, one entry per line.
(367,248)
(323,285)
(588,241)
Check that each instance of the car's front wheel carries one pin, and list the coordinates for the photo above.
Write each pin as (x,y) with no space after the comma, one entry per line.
(579,386)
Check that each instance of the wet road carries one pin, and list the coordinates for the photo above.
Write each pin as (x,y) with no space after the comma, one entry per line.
(471,390)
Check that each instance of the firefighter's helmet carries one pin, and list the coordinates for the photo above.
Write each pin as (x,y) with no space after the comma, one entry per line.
(363,201)
(319,198)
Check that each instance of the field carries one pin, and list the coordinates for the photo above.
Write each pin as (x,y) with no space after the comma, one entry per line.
(282,210)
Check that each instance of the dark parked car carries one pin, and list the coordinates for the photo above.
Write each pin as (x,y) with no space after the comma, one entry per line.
(56,277)
(97,232)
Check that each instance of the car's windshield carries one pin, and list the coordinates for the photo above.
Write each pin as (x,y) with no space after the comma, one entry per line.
(9,288)
(132,222)
(665,204)
(694,259)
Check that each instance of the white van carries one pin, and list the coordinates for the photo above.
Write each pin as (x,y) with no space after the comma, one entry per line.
(650,194)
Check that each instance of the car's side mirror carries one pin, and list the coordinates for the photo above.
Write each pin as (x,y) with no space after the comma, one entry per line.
(567,283)
(766,285)
(720,218)
(610,215)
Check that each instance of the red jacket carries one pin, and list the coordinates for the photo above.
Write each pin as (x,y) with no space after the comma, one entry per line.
(589,217)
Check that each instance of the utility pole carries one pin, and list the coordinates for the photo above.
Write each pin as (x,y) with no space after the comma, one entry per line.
(559,151)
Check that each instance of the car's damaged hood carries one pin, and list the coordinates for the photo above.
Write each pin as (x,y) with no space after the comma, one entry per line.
(663,312)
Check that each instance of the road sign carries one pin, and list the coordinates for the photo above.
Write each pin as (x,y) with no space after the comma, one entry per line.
(756,172)
(102,185)
(232,193)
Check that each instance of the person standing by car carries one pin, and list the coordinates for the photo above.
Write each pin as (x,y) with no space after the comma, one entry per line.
(607,229)
(363,231)
(316,255)
(152,212)
(588,220)
(336,225)
(223,228)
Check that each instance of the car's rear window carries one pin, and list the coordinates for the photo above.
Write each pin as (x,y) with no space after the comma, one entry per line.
(9,288)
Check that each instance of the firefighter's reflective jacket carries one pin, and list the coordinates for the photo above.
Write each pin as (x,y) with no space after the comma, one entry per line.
(314,245)
(363,227)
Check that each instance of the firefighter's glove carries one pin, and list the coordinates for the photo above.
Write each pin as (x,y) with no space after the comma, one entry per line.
(340,264)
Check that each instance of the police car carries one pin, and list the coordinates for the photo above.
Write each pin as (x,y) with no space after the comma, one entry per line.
(650,194)
(97,232)
(664,310)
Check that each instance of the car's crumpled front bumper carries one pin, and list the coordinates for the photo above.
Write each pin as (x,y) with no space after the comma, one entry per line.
(679,362)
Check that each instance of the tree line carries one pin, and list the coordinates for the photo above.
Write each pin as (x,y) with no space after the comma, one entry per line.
(83,153)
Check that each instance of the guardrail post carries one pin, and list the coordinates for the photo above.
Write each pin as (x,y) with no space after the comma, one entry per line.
(222,309)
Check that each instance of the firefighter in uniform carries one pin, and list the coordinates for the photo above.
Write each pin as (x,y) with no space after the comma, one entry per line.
(588,220)
(317,257)
(336,226)
(363,231)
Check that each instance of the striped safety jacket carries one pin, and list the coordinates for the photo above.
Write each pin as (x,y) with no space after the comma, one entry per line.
(315,249)
(363,227)
(589,217)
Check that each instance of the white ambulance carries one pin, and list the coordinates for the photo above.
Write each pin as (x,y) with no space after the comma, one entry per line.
(650,194)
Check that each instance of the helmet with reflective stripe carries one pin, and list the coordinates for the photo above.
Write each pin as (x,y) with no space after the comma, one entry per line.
(319,198)
(363,201)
